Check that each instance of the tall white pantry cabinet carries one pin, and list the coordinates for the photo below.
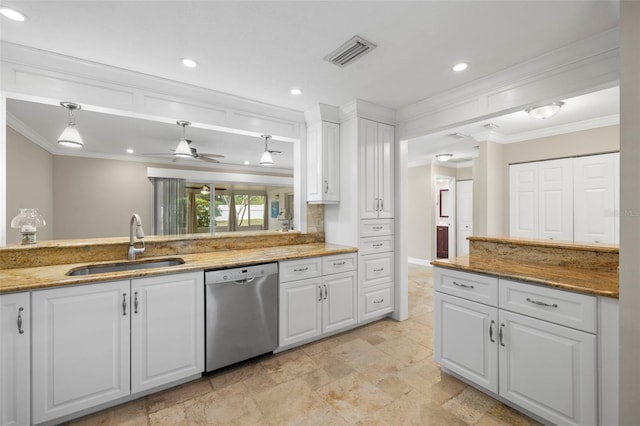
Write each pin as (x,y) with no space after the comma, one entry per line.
(570,199)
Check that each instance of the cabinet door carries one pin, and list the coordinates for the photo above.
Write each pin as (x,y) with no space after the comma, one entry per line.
(548,369)
(556,200)
(466,339)
(368,149)
(523,200)
(80,347)
(340,303)
(167,329)
(300,315)
(442,241)
(594,200)
(15,370)
(330,162)
(385,170)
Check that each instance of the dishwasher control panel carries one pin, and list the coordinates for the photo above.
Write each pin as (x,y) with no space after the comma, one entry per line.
(240,274)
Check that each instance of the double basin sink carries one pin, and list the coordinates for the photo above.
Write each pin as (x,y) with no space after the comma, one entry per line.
(104,268)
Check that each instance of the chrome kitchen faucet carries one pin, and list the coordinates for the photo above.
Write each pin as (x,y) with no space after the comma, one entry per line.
(135,220)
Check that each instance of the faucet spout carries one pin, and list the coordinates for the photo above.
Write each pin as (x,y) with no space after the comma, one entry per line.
(135,226)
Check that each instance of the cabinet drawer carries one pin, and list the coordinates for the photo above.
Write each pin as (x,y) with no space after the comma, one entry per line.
(376,227)
(339,263)
(550,304)
(376,301)
(476,287)
(291,270)
(374,245)
(376,269)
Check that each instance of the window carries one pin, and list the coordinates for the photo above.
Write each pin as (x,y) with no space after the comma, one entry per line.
(249,208)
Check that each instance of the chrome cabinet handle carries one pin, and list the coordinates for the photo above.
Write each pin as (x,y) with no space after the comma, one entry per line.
(381,204)
(326,186)
(326,292)
(537,302)
(306,268)
(377,228)
(491,331)
(320,297)
(463,285)
(378,245)
(339,263)
(135,303)
(378,301)
(377,204)
(378,270)
(500,335)
(124,304)
(19,321)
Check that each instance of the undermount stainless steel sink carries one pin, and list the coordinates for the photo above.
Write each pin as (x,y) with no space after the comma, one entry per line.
(120,266)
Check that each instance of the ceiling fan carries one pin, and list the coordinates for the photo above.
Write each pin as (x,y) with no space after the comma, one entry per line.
(266,159)
(185,150)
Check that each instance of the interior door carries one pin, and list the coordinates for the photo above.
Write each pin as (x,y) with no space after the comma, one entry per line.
(556,199)
(523,200)
(464,215)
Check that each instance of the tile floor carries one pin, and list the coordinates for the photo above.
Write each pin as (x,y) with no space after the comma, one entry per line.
(379,374)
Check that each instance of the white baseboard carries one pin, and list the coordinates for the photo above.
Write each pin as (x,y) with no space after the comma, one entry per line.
(422,262)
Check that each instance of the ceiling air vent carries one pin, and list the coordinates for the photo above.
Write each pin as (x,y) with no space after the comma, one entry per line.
(350,51)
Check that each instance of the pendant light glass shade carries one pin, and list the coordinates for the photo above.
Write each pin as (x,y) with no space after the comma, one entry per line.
(266,159)
(70,136)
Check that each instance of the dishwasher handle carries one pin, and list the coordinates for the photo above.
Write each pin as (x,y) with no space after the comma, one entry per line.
(245,281)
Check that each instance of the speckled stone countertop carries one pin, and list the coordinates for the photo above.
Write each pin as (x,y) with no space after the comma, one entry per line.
(32,278)
(584,268)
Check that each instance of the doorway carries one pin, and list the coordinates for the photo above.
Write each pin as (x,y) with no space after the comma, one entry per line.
(445,215)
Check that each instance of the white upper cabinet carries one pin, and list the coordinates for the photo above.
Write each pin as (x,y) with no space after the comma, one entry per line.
(323,163)
(594,197)
(376,169)
(15,368)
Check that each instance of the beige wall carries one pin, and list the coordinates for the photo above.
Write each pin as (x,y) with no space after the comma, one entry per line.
(95,197)
(29,183)
(420,213)
(490,183)
(464,173)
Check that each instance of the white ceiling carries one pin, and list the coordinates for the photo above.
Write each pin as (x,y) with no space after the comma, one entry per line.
(261,49)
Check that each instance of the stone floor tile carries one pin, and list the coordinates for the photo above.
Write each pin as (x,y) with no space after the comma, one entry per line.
(288,365)
(289,402)
(470,405)
(178,394)
(511,416)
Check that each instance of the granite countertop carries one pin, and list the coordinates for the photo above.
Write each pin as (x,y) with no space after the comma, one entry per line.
(589,281)
(32,278)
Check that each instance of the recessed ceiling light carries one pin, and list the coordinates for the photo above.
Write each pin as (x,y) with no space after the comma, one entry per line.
(189,63)
(460,67)
(13,14)
(246,163)
(130,151)
(491,126)
(295,91)
(457,135)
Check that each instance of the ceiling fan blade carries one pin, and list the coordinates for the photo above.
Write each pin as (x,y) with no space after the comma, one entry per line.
(211,155)
(208,160)
(157,153)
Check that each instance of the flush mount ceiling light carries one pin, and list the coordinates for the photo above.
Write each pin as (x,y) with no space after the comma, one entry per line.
(460,67)
(545,111)
(266,159)
(295,91)
(130,151)
(444,157)
(491,126)
(457,135)
(183,149)
(189,63)
(70,137)
(13,14)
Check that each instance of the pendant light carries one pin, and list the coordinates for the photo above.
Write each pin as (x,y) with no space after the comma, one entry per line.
(183,149)
(70,137)
(266,159)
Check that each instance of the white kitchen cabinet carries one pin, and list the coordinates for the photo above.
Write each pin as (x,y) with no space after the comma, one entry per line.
(376,145)
(318,306)
(548,369)
(80,349)
(534,346)
(15,369)
(323,163)
(465,335)
(594,198)
(167,314)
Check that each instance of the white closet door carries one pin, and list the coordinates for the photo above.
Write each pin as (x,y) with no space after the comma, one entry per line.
(555,219)
(594,200)
(464,215)
(523,200)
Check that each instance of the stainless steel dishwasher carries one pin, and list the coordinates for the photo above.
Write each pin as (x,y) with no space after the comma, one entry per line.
(241,314)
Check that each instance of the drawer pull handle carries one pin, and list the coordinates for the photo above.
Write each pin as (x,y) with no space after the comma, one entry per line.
(339,263)
(19,321)
(378,270)
(377,228)
(462,285)
(306,268)
(491,331)
(537,302)
(378,245)
(378,301)
(500,335)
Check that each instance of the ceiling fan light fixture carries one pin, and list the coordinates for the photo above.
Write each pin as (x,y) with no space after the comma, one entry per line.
(205,190)
(70,137)
(266,159)
(545,111)
(444,157)
(183,149)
